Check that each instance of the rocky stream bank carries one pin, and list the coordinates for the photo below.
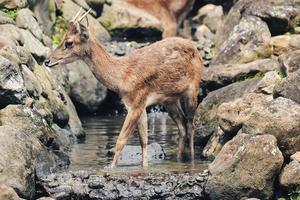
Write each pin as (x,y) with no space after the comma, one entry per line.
(248,121)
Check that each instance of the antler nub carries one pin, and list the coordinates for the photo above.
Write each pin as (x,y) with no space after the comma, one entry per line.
(84,15)
(76,16)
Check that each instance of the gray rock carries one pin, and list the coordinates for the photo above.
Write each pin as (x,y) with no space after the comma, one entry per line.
(34,45)
(289,87)
(290,62)
(211,16)
(10,34)
(247,166)
(133,154)
(205,119)
(284,44)
(32,84)
(248,41)
(277,13)
(146,186)
(5,19)
(222,75)
(80,77)
(18,55)
(281,118)
(290,175)
(13,4)
(25,19)
(20,155)
(12,88)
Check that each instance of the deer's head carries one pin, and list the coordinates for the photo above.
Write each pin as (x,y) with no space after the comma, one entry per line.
(74,44)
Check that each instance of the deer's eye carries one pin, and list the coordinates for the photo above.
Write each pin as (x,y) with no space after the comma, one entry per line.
(69,44)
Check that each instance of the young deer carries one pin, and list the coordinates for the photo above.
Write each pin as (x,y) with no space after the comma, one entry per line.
(170,12)
(164,72)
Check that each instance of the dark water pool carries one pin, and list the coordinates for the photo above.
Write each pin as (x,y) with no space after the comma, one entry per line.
(101,135)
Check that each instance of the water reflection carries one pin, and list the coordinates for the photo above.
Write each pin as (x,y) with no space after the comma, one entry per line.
(101,135)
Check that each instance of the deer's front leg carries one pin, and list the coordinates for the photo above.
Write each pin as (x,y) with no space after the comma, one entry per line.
(143,134)
(128,127)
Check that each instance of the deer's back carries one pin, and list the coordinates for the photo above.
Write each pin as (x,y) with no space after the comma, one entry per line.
(167,66)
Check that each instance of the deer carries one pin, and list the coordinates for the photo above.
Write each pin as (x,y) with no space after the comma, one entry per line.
(166,72)
(171,13)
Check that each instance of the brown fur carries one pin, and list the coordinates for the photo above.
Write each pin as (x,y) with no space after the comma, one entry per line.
(170,12)
(164,72)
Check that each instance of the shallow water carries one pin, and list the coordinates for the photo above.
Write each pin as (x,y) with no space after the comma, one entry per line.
(101,135)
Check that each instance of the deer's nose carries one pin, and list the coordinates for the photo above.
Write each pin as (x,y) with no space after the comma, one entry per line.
(47,62)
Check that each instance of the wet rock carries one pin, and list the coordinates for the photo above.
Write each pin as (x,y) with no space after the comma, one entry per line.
(222,75)
(289,87)
(70,9)
(290,62)
(211,16)
(290,175)
(133,154)
(12,88)
(161,186)
(80,77)
(13,4)
(8,193)
(284,43)
(247,166)
(34,45)
(269,120)
(248,41)
(25,19)
(125,20)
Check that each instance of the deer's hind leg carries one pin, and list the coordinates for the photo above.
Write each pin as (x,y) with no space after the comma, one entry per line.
(176,113)
(190,106)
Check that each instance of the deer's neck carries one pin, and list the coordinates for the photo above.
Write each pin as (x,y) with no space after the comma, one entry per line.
(106,68)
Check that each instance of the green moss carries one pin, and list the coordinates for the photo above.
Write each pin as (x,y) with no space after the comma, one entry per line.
(12,13)
(250,75)
(59,29)
(106,23)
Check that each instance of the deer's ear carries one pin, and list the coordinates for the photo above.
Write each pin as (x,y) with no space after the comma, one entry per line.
(84,34)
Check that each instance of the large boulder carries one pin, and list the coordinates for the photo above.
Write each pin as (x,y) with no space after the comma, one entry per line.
(25,19)
(222,75)
(69,9)
(281,118)
(248,41)
(290,175)
(289,87)
(123,19)
(12,88)
(246,167)
(205,120)
(80,77)
(20,153)
(276,13)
